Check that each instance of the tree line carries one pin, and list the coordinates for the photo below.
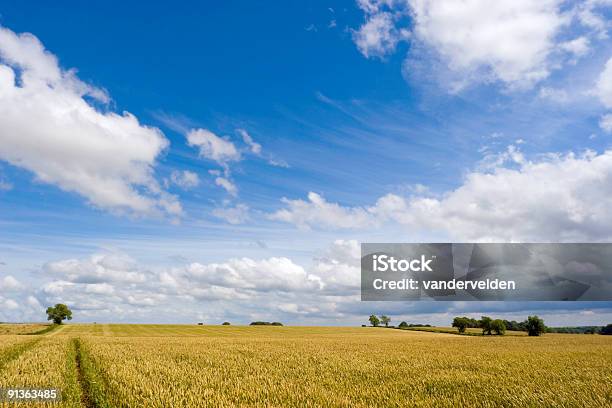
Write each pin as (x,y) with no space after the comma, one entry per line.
(534,326)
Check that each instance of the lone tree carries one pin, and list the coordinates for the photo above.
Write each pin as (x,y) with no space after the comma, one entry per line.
(535,326)
(498,326)
(607,330)
(374,321)
(385,320)
(403,325)
(461,323)
(485,324)
(58,313)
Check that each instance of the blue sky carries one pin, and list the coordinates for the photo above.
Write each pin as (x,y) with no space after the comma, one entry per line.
(265,141)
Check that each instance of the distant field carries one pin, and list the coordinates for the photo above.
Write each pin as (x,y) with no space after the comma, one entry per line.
(190,366)
(18,328)
(453,330)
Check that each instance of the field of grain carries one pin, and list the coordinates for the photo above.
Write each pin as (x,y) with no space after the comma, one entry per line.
(468,331)
(190,366)
(21,328)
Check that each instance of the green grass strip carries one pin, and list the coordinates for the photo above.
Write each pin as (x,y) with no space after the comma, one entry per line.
(93,386)
(47,329)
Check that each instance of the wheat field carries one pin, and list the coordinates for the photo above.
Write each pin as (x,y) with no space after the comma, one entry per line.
(234,366)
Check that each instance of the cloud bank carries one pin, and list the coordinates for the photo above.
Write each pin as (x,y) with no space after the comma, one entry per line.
(56,126)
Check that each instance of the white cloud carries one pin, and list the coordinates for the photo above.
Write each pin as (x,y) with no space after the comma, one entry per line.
(234,215)
(50,129)
(10,304)
(603,87)
(559,197)
(238,290)
(9,284)
(213,147)
(319,213)
(577,47)
(248,140)
(378,36)
(99,268)
(272,274)
(509,40)
(185,179)
(339,267)
(554,95)
(515,42)
(227,184)
(605,123)
(588,15)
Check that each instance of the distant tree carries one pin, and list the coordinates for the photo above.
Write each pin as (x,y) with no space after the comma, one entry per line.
(58,313)
(461,323)
(225,323)
(385,320)
(535,326)
(374,321)
(485,324)
(473,323)
(498,326)
(259,323)
(606,330)
(200,324)
(403,325)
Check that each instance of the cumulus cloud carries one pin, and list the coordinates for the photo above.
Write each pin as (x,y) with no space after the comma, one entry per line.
(562,196)
(50,127)
(578,47)
(378,36)
(603,87)
(99,268)
(248,140)
(509,40)
(185,179)
(272,274)
(9,284)
(515,42)
(318,212)
(114,283)
(554,95)
(339,267)
(227,184)
(238,214)
(238,289)
(213,147)
(605,123)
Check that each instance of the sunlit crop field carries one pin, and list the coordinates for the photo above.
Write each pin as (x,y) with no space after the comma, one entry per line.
(174,365)
(17,328)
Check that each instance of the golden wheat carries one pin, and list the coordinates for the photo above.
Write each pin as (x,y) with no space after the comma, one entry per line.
(240,366)
(233,366)
(48,363)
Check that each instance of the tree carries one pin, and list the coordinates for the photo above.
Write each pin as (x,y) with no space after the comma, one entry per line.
(535,326)
(607,330)
(385,320)
(58,313)
(498,326)
(403,325)
(374,321)
(225,323)
(461,323)
(485,324)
